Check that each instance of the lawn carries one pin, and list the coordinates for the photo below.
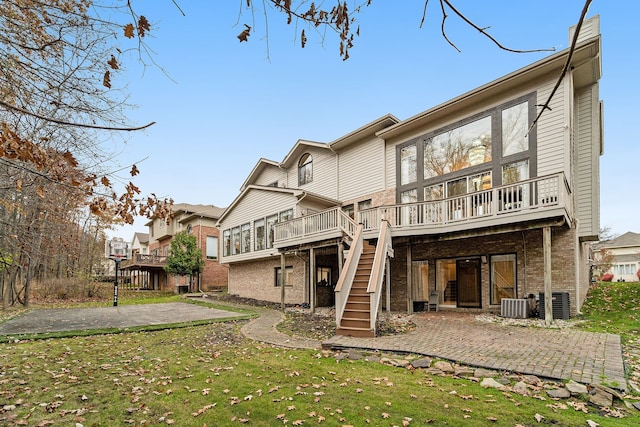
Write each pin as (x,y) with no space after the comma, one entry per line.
(211,375)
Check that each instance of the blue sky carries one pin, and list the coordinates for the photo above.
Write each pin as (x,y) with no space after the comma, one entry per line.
(226,103)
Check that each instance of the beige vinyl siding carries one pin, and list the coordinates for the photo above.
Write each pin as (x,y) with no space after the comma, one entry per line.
(256,204)
(553,133)
(587,142)
(324,173)
(270,175)
(361,169)
(590,28)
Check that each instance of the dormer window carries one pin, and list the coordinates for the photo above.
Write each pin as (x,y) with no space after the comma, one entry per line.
(305,169)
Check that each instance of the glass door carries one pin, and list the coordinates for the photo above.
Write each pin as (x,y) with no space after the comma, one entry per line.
(469,285)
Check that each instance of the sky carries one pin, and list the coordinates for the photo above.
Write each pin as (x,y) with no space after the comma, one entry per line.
(220,105)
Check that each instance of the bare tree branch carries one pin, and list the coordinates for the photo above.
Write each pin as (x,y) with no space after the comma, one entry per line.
(80,125)
(567,64)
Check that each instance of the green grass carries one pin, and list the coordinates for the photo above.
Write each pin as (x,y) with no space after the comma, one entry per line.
(193,376)
(613,307)
(209,374)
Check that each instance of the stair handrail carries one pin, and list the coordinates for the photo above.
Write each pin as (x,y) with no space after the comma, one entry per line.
(343,287)
(346,223)
(384,249)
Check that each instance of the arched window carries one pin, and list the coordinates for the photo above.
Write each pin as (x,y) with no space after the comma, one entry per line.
(305,169)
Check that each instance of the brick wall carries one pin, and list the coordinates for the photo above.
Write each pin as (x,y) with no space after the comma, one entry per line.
(214,275)
(527,246)
(256,279)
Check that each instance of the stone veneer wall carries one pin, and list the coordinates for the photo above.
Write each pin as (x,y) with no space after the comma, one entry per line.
(256,279)
(527,245)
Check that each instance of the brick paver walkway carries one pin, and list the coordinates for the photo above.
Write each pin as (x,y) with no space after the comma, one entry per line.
(562,354)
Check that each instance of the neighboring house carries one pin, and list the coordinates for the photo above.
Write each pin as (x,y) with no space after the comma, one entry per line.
(462,204)
(140,243)
(198,220)
(625,252)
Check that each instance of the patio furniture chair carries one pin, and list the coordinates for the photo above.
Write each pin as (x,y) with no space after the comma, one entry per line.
(433,301)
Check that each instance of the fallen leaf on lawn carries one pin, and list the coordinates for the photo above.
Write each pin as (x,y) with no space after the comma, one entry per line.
(592,423)
(538,417)
(297,422)
(492,419)
(291,408)
(385,415)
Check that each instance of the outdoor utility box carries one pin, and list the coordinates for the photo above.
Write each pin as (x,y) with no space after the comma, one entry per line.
(559,305)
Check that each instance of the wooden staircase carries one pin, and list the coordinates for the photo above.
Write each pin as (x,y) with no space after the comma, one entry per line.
(356,320)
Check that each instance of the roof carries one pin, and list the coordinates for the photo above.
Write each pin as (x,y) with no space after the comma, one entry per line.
(626,240)
(365,131)
(586,68)
(142,237)
(257,170)
(295,192)
(299,148)
(190,211)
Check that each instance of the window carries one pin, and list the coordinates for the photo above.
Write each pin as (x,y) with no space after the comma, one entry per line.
(305,169)
(515,122)
(515,172)
(258,234)
(288,271)
(323,276)
(364,205)
(235,240)
(408,164)
(349,210)
(226,241)
(189,229)
(212,247)
(245,233)
(285,215)
(458,148)
(271,221)
(472,155)
(503,277)
(622,269)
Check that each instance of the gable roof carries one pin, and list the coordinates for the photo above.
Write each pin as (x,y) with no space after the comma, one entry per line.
(626,240)
(295,192)
(365,131)
(300,148)
(142,237)
(257,170)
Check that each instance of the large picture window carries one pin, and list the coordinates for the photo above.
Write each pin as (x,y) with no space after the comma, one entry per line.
(492,148)
(271,221)
(245,232)
(226,242)
(458,148)
(503,277)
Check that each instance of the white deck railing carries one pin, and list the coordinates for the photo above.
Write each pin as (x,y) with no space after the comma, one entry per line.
(343,287)
(521,197)
(384,249)
(333,219)
(524,196)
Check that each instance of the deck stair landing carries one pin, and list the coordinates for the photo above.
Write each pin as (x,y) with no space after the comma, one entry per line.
(356,320)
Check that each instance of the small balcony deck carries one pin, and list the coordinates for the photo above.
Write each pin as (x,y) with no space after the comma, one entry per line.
(534,199)
(144,261)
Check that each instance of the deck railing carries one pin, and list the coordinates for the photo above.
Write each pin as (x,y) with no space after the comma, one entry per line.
(523,196)
(333,219)
(145,259)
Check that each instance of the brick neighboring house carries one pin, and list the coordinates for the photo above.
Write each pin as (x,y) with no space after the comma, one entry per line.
(466,205)
(625,250)
(198,220)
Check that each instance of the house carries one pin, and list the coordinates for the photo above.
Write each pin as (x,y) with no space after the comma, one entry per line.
(470,203)
(625,256)
(148,260)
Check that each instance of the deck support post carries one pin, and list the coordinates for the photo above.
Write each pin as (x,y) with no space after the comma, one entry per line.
(312,279)
(548,288)
(283,278)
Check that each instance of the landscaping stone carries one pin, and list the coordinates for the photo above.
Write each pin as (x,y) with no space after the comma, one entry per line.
(425,362)
(576,388)
(444,366)
(485,373)
(636,405)
(491,383)
(372,358)
(521,388)
(354,355)
(503,380)
(600,397)
(463,371)
(531,379)
(559,393)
